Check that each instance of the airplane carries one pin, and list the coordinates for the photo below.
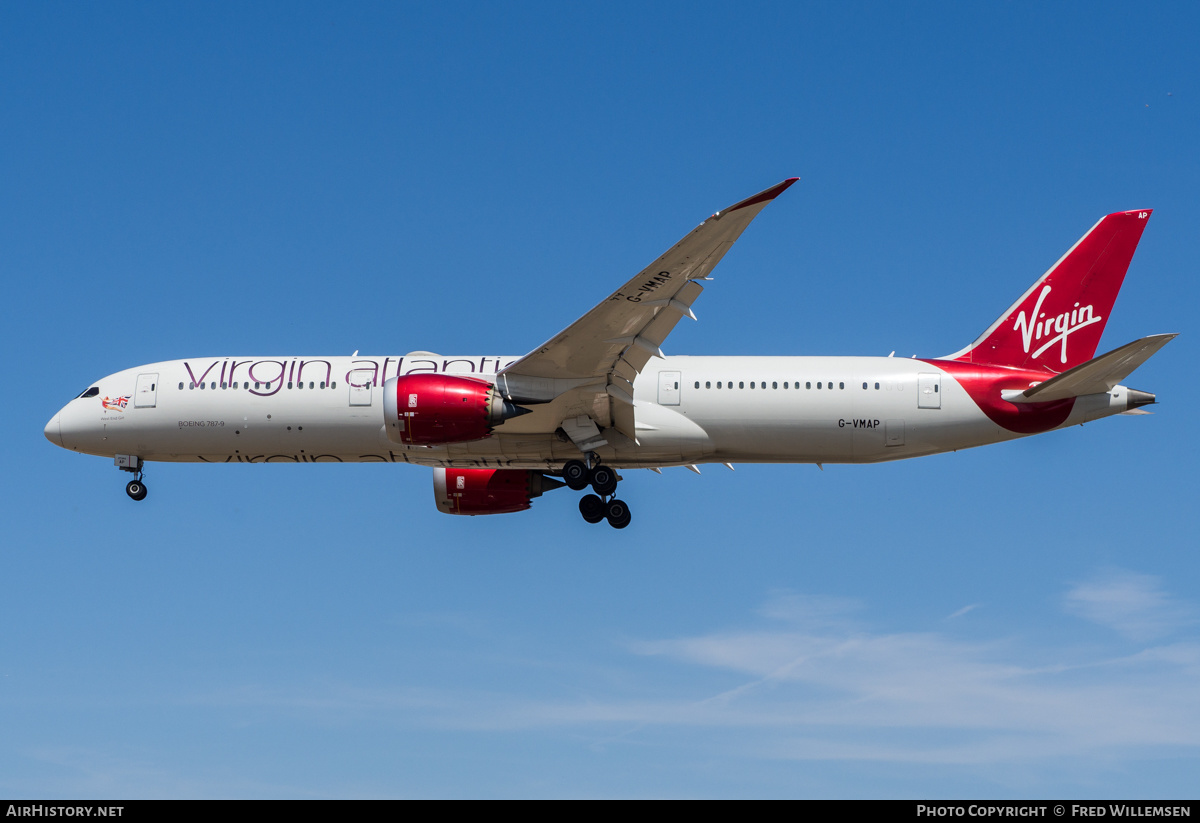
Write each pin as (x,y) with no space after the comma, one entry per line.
(600,396)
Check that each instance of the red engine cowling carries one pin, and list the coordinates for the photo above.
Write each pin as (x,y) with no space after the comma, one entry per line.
(427,409)
(488,491)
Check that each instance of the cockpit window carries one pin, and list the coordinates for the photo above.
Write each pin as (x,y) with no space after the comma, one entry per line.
(92,392)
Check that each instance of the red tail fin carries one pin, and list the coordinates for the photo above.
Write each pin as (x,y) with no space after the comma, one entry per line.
(1057,324)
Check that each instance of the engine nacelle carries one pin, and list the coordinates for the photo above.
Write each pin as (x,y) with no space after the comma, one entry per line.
(488,491)
(427,409)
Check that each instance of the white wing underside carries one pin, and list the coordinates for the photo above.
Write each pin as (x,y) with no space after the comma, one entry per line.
(588,369)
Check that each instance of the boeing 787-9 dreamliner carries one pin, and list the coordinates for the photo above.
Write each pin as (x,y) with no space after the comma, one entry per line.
(600,396)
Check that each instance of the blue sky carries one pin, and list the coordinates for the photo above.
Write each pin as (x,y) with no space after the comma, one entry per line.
(208,179)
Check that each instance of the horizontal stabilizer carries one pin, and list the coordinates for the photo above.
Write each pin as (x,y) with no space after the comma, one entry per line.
(1097,375)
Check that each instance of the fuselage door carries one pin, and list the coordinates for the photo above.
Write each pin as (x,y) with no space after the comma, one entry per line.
(360,395)
(145,392)
(929,391)
(668,388)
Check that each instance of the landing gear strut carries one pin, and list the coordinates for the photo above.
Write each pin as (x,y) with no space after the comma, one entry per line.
(603,505)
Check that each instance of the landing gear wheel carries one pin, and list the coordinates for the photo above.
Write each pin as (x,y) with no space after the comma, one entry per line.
(604,481)
(592,508)
(136,489)
(617,513)
(576,475)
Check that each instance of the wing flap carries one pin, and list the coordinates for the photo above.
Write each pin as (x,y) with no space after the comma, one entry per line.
(623,420)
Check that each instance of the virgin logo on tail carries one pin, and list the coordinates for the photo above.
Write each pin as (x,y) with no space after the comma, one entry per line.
(1034,327)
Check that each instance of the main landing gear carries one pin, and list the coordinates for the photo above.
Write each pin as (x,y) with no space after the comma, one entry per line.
(603,504)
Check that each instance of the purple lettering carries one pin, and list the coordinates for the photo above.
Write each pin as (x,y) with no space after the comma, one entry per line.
(430,366)
(328,369)
(197,380)
(258,378)
(233,367)
(365,375)
(470,365)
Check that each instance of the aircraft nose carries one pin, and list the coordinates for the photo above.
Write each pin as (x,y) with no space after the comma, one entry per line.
(53,430)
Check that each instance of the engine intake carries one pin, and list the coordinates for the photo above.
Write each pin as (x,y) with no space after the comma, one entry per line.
(488,491)
(427,409)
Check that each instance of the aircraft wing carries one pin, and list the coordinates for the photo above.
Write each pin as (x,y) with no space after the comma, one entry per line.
(597,357)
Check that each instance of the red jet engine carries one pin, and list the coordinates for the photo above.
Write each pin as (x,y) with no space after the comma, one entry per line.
(428,409)
(488,491)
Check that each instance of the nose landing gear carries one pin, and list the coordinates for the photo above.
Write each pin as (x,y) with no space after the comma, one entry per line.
(603,505)
(135,488)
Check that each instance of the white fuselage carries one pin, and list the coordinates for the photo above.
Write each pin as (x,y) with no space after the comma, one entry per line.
(725,409)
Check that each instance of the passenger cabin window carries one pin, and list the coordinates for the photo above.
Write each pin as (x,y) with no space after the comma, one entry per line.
(181,387)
